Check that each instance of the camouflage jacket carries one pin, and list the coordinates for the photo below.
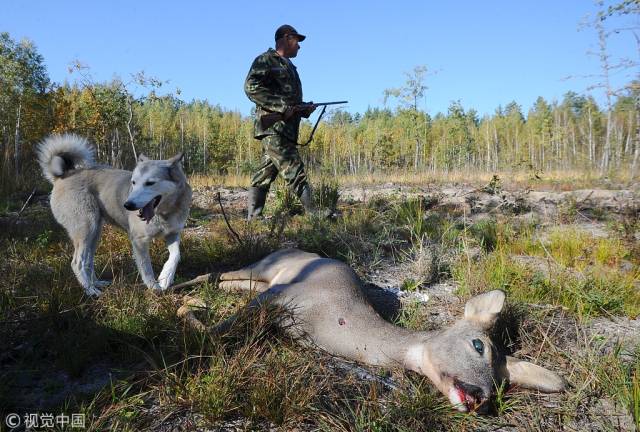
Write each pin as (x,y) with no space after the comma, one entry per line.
(273,85)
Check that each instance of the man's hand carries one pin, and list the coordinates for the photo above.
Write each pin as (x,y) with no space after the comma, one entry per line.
(302,110)
(306,109)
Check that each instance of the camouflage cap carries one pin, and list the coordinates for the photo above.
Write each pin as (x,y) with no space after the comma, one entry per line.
(286,29)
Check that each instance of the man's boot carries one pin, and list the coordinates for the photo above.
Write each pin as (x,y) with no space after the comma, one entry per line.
(255,203)
(306,198)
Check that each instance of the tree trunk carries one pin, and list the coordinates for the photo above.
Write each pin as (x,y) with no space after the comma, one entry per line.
(604,164)
(592,147)
(636,151)
(606,68)
(488,138)
(204,147)
(133,145)
(496,159)
(182,133)
(16,146)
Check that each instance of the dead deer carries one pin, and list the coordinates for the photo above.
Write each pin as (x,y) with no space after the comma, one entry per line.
(331,309)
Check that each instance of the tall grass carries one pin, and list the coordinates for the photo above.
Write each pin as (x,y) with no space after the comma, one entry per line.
(570,268)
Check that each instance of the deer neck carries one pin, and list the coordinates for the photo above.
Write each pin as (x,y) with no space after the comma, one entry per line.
(393,346)
(411,350)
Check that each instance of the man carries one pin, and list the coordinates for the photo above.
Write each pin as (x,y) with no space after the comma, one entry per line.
(274,86)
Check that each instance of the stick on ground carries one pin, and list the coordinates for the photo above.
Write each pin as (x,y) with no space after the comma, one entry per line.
(224,215)
(195,281)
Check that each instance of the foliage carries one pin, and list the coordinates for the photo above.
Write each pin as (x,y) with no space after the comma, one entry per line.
(569,134)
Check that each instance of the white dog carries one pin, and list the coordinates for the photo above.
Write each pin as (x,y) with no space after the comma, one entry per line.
(85,195)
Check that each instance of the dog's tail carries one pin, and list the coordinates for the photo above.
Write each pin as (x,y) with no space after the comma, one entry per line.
(58,154)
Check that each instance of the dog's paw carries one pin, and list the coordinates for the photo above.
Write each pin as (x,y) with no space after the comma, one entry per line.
(166,277)
(92,291)
(164,283)
(102,283)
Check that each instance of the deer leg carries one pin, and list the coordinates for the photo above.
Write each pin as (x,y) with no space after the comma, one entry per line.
(244,285)
(269,267)
(250,272)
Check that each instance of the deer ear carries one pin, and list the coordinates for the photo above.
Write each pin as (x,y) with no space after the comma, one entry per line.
(142,158)
(176,158)
(484,308)
(528,375)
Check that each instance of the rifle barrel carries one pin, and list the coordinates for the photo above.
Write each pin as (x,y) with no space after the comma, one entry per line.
(329,103)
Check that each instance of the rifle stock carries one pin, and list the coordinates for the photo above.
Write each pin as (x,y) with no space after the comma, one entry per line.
(269,119)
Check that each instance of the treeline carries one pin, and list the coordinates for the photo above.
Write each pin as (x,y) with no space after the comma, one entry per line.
(574,133)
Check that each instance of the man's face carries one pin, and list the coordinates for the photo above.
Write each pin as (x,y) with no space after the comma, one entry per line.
(291,46)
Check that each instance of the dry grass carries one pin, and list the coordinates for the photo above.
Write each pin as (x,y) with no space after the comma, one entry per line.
(558,180)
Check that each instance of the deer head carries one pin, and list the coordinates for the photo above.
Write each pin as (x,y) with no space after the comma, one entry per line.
(465,366)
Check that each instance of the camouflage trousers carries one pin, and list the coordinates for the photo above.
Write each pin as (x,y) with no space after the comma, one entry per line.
(279,155)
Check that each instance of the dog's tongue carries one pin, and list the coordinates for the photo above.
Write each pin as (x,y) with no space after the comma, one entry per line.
(147,212)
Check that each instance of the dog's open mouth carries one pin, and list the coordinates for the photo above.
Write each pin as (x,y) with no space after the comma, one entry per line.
(147,212)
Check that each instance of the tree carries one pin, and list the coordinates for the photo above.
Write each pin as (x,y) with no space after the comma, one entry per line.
(608,65)
(457,148)
(631,7)
(409,94)
(23,86)
(413,89)
(539,122)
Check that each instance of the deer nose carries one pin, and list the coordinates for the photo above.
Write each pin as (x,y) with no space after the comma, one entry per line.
(483,406)
(129,205)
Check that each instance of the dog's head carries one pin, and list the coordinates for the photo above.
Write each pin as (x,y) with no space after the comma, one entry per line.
(152,181)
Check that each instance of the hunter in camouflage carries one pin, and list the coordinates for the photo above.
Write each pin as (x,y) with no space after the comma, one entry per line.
(274,86)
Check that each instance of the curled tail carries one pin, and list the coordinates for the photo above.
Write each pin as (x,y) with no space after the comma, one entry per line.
(58,154)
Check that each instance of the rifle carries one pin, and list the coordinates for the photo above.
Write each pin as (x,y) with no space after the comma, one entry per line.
(269,119)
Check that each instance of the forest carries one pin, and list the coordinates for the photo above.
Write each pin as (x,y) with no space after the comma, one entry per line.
(126,117)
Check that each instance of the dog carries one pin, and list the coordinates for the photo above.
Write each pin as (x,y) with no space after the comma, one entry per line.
(150,202)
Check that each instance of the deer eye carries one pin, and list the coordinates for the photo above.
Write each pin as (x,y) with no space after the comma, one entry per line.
(149,183)
(478,345)
(133,182)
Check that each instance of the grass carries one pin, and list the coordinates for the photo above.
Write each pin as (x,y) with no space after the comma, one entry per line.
(568,268)
(255,377)
(559,180)
(619,379)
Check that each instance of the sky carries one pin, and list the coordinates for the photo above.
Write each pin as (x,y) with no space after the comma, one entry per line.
(483,54)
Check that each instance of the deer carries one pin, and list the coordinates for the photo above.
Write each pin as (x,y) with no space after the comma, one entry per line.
(329,305)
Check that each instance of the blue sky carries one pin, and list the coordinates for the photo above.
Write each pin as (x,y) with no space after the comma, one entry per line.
(485,54)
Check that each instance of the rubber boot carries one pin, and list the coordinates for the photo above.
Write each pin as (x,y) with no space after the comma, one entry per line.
(255,203)
(306,198)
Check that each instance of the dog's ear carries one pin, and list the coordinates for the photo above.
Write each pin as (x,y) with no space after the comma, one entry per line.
(175,169)
(177,158)
(142,158)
